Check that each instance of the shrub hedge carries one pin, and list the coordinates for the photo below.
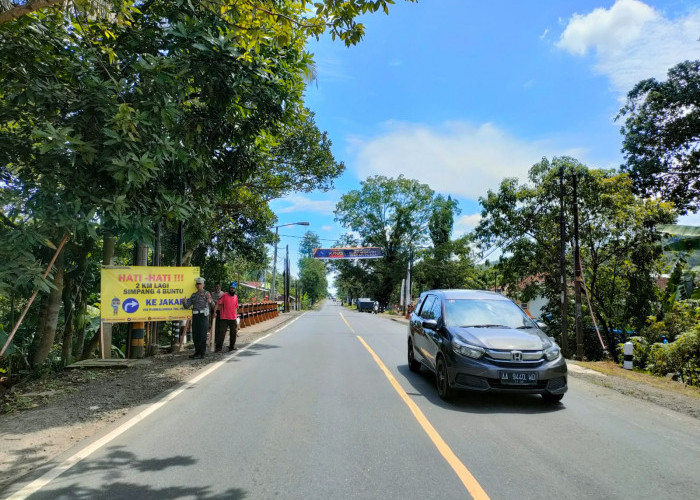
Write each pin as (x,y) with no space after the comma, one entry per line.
(681,356)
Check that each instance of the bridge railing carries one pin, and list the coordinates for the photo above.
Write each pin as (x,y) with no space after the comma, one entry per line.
(252,313)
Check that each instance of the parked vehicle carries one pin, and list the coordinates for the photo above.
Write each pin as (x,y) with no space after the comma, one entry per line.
(365,305)
(482,341)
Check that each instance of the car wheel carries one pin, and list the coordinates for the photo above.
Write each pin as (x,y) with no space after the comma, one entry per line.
(413,363)
(443,383)
(552,398)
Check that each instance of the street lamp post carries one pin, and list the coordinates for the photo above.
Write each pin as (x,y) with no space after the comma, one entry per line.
(273,289)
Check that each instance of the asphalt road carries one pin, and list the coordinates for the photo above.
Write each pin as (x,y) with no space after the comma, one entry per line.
(326,408)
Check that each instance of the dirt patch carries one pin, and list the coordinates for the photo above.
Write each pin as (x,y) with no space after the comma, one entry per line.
(662,391)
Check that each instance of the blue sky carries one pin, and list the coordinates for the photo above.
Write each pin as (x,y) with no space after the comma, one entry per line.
(459,94)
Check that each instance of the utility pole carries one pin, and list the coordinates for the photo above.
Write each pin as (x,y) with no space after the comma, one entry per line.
(273,285)
(562,265)
(577,275)
(408,278)
(286,280)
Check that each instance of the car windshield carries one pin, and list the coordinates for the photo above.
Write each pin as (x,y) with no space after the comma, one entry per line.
(484,313)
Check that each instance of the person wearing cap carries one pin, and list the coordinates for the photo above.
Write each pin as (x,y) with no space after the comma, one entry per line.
(199,302)
(227,307)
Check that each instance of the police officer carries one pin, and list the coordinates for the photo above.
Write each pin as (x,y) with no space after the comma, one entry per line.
(200,303)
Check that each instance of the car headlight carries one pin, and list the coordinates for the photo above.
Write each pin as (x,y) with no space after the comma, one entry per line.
(467,350)
(552,352)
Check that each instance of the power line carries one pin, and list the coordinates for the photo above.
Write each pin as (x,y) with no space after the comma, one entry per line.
(302,237)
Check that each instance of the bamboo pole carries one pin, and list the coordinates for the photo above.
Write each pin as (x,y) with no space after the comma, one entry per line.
(31,299)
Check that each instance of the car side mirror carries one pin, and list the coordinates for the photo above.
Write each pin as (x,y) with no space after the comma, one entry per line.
(541,325)
(430,323)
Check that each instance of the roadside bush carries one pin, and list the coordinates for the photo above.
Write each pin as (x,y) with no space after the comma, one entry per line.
(681,357)
(659,363)
(641,351)
(684,357)
(684,316)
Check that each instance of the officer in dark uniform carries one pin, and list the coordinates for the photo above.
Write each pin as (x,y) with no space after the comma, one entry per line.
(200,303)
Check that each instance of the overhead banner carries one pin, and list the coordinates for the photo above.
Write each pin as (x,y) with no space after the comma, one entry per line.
(349,253)
(144,293)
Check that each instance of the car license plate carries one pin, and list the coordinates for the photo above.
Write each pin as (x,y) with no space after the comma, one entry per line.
(518,378)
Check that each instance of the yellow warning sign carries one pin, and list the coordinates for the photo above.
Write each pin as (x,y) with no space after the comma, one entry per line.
(144,293)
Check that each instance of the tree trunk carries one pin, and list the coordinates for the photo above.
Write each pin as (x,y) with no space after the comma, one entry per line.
(52,306)
(80,313)
(187,258)
(68,314)
(40,324)
(92,346)
(79,299)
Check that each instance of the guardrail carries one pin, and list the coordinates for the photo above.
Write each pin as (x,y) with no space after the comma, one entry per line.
(252,313)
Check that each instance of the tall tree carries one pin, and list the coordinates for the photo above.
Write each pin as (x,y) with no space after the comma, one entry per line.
(352,277)
(451,265)
(178,111)
(448,264)
(662,136)
(620,249)
(309,242)
(391,214)
(312,278)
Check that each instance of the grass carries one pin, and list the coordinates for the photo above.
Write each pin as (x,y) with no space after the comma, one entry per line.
(15,402)
(613,369)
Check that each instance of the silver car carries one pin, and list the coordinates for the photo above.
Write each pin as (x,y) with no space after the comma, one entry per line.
(482,341)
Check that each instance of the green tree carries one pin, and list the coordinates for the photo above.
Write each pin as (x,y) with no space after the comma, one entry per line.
(309,242)
(661,136)
(187,112)
(448,264)
(351,278)
(442,220)
(391,214)
(620,248)
(312,279)
(256,21)
(14,9)
(147,125)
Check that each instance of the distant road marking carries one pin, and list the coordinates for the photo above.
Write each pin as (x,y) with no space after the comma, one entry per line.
(53,473)
(468,480)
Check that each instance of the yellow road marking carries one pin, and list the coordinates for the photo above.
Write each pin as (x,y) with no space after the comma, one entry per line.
(346,322)
(468,480)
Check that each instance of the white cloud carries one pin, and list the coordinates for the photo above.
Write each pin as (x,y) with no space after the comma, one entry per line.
(466,224)
(459,158)
(544,35)
(632,41)
(301,203)
(689,220)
